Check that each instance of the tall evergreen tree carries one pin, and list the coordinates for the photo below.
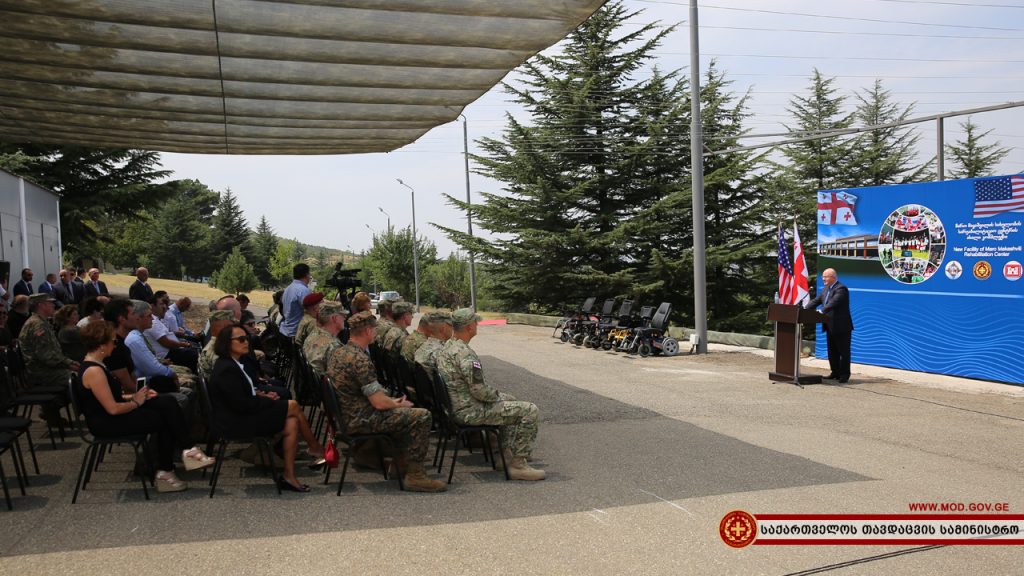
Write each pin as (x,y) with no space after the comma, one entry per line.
(174,236)
(229,230)
(264,246)
(595,154)
(391,264)
(824,163)
(971,157)
(94,184)
(887,155)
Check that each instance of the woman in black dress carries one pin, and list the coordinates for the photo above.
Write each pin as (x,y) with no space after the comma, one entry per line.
(241,409)
(110,412)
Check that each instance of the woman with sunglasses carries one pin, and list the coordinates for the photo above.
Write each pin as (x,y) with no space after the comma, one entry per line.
(242,409)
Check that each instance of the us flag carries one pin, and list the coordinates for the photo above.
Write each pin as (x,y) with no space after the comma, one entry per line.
(786,293)
(998,195)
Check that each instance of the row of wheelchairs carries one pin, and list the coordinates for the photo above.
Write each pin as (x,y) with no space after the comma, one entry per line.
(644,332)
(422,386)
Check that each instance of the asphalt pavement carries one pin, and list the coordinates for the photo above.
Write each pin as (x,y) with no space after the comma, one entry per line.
(644,457)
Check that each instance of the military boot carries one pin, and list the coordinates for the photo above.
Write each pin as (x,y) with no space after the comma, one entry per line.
(416,480)
(518,469)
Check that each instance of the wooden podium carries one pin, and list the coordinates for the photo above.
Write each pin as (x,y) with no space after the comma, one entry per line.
(789,323)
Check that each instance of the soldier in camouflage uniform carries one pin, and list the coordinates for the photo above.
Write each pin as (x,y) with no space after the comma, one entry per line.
(45,364)
(475,402)
(440,326)
(416,339)
(324,338)
(384,323)
(219,319)
(401,315)
(366,407)
(310,309)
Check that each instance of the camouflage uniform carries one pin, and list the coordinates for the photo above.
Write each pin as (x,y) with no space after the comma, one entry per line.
(207,358)
(306,326)
(394,338)
(45,364)
(426,355)
(475,402)
(383,325)
(411,344)
(355,380)
(318,347)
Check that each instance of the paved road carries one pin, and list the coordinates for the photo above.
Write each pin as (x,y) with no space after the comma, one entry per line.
(644,458)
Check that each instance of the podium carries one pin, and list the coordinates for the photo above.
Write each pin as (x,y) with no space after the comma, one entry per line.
(789,322)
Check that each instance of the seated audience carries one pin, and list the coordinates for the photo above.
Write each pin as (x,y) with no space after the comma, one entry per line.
(65,323)
(361,303)
(164,343)
(239,408)
(324,338)
(159,375)
(18,315)
(91,310)
(109,411)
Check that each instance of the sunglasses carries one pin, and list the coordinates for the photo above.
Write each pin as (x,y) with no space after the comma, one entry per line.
(240,338)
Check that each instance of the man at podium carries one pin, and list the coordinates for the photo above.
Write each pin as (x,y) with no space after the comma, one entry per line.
(835,305)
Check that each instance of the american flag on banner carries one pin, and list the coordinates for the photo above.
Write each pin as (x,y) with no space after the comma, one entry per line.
(786,293)
(998,195)
(801,285)
(836,208)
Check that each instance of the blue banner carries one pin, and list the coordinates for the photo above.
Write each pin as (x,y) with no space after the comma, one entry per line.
(934,273)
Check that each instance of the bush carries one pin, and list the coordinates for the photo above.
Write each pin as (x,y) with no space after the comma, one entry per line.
(236,275)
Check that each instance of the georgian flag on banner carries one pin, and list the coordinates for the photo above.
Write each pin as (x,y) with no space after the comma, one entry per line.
(836,208)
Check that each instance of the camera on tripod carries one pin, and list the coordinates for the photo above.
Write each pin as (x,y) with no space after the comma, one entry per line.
(345,281)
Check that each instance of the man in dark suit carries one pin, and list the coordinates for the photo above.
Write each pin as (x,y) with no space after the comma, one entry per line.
(65,290)
(838,326)
(95,286)
(48,286)
(140,290)
(24,286)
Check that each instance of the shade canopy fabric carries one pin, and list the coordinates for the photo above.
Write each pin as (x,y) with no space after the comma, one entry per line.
(259,76)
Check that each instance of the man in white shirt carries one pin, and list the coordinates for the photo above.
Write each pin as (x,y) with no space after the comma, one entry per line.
(165,343)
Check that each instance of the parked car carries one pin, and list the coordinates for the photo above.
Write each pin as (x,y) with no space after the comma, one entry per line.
(386,295)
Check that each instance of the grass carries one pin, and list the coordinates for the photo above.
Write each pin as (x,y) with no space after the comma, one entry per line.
(122,282)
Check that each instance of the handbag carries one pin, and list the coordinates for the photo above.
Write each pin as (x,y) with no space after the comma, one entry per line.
(331,454)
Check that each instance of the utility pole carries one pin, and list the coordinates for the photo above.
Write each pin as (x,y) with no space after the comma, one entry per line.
(700,316)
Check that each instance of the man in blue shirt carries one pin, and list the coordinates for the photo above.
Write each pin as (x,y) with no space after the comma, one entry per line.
(292,299)
(161,377)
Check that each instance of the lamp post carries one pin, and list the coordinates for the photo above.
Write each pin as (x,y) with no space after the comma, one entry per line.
(469,213)
(384,212)
(415,256)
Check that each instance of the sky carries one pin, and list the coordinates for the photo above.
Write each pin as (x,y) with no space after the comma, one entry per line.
(939,55)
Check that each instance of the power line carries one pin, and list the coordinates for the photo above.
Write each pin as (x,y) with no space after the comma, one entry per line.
(859,33)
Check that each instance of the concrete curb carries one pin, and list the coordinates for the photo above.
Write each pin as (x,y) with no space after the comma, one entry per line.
(680,333)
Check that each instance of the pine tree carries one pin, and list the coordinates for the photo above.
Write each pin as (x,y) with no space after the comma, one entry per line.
(230,229)
(236,275)
(264,246)
(173,237)
(596,153)
(971,158)
(390,261)
(887,155)
(824,163)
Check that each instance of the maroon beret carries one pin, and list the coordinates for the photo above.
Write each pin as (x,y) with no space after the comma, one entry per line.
(312,299)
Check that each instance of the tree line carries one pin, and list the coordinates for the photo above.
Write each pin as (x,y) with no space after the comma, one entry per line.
(596,194)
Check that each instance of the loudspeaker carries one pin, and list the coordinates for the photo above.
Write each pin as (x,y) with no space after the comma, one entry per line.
(5,271)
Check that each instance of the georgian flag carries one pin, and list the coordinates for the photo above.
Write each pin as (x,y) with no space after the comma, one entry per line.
(836,208)
(801,284)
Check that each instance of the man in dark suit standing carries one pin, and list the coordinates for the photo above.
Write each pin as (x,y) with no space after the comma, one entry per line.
(24,286)
(49,286)
(140,290)
(65,290)
(95,286)
(838,327)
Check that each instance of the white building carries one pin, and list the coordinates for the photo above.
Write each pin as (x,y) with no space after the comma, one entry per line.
(29,227)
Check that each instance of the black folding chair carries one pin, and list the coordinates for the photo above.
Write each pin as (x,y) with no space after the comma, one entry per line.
(340,429)
(461,432)
(25,402)
(9,443)
(221,438)
(95,445)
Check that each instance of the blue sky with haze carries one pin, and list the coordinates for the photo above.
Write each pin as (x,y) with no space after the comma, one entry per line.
(970,55)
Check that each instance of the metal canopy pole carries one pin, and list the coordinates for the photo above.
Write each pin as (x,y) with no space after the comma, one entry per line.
(700,317)
(469,214)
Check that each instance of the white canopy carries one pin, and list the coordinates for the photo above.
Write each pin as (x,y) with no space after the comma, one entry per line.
(259,76)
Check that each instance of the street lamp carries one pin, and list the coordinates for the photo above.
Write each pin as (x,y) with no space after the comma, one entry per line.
(469,213)
(415,256)
(382,211)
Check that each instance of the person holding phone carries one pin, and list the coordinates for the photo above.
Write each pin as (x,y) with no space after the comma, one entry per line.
(108,411)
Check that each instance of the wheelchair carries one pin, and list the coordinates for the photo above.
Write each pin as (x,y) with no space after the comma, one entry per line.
(652,337)
(574,324)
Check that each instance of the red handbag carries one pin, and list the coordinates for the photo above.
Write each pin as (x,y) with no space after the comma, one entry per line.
(331,454)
